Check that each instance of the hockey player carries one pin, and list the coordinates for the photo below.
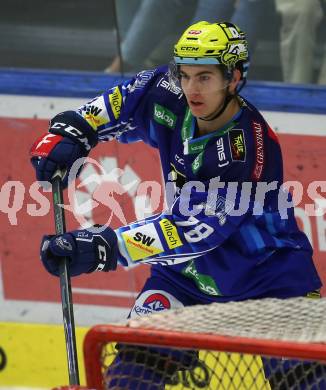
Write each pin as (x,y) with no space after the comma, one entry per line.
(229,231)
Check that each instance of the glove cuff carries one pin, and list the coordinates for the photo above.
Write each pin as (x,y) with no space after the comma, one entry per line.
(106,250)
(70,124)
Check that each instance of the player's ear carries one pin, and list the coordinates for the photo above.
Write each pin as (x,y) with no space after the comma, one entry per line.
(236,77)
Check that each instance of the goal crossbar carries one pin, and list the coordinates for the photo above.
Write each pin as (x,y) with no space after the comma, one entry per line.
(157,337)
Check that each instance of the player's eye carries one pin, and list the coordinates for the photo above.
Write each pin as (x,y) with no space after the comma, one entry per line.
(204,77)
(184,76)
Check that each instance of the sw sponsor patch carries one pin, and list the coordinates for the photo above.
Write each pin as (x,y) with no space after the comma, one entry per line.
(170,234)
(115,99)
(142,242)
(237,145)
(95,112)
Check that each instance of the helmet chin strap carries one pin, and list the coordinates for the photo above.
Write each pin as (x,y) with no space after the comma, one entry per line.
(220,111)
(227,99)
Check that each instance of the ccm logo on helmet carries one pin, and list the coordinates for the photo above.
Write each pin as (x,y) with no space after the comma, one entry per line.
(189,48)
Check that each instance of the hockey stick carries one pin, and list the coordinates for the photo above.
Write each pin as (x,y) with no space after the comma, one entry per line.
(65,286)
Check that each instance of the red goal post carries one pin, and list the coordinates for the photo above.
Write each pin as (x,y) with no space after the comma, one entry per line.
(229,336)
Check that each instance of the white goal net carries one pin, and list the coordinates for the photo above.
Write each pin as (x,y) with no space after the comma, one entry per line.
(256,344)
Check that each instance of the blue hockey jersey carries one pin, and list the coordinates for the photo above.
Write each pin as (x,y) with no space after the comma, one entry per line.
(229,230)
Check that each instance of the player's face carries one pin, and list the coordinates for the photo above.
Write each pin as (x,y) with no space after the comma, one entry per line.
(204,87)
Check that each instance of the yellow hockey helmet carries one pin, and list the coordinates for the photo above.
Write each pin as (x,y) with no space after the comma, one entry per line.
(213,43)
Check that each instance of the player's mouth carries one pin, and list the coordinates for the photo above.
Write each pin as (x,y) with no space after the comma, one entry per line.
(196,104)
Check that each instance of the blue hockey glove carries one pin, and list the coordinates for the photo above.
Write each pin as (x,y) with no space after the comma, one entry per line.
(70,137)
(86,249)
(57,152)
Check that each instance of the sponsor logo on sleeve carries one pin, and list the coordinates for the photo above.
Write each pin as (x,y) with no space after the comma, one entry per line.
(116,101)
(95,113)
(237,145)
(164,116)
(170,234)
(259,148)
(142,242)
(221,153)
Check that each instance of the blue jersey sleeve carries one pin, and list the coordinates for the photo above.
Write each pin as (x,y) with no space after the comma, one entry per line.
(198,221)
(123,112)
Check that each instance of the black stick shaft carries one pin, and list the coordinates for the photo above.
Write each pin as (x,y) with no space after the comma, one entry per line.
(65,285)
